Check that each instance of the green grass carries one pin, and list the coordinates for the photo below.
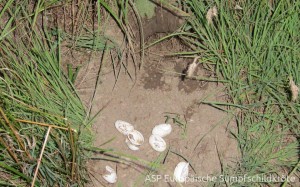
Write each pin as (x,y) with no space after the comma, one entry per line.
(36,95)
(34,89)
(256,51)
(253,52)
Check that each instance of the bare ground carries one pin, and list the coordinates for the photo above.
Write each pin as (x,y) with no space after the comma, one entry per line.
(143,101)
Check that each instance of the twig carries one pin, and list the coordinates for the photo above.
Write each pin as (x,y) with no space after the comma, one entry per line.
(142,40)
(41,156)
(33,108)
(11,153)
(15,132)
(73,154)
(45,125)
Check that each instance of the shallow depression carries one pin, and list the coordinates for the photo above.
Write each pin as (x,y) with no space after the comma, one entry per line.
(144,104)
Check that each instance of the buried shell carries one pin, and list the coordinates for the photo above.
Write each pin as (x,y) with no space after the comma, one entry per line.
(135,137)
(162,130)
(181,171)
(157,143)
(123,127)
(131,146)
(111,177)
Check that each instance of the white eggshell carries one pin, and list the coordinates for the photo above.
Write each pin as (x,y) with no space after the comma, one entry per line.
(181,171)
(135,137)
(123,127)
(111,177)
(157,143)
(162,130)
(131,146)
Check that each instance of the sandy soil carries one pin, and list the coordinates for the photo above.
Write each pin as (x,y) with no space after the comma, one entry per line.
(144,102)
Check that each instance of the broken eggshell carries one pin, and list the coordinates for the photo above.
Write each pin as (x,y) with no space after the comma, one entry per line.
(157,143)
(135,137)
(111,177)
(131,146)
(181,171)
(123,127)
(162,130)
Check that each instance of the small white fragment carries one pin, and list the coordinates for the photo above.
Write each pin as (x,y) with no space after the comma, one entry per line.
(211,13)
(31,145)
(157,143)
(123,127)
(135,137)
(111,177)
(191,69)
(131,146)
(238,7)
(181,171)
(294,89)
(162,130)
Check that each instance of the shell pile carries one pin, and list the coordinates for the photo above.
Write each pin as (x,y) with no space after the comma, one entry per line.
(134,138)
(156,139)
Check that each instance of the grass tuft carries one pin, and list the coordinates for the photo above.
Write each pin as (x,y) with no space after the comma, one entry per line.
(35,96)
(255,50)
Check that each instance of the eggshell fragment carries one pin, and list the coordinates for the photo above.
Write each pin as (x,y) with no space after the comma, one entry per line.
(162,130)
(131,146)
(111,177)
(124,127)
(181,171)
(157,143)
(135,137)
